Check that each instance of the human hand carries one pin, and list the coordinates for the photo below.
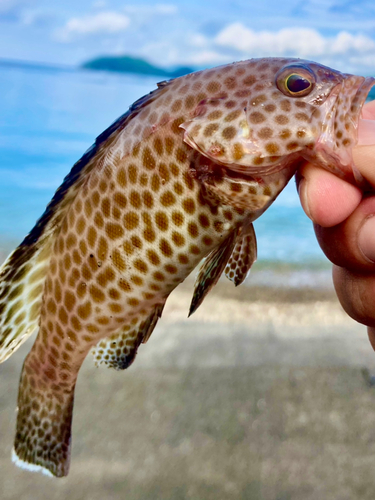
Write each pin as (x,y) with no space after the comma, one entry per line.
(344,223)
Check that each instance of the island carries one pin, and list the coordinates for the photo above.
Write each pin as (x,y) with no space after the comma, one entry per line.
(127,64)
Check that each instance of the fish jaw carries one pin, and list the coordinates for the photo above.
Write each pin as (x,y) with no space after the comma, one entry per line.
(339,133)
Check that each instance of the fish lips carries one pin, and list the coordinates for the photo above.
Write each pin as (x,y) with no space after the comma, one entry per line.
(339,133)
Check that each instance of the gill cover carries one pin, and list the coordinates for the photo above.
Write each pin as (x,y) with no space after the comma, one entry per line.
(220,134)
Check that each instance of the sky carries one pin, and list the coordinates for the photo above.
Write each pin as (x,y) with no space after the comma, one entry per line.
(197,33)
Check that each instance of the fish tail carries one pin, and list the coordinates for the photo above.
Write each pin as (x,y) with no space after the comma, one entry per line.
(44,419)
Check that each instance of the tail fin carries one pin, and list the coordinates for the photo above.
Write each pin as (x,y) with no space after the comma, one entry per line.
(43,432)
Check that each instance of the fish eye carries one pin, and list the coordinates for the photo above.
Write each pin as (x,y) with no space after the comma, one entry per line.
(296,81)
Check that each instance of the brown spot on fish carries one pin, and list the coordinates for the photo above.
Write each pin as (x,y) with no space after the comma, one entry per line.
(285,134)
(114,231)
(165,248)
(178,239)
(211,129)
(272,148)
(265,133)
(149,235)
(281,119)
(233,115)
(258,160)
(249,80)
(153,257)
(229,133)
(257,117)
(183,258)
(270,108)
(148,159)
(131,220)
(238,151)
(302,117)
(292,145)
(259,99)
(215,115)
(285,105)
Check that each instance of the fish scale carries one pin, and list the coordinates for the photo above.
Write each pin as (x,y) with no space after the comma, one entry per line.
(178,178)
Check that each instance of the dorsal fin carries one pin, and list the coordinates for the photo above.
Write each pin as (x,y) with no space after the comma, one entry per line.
(119,350)
(23,274)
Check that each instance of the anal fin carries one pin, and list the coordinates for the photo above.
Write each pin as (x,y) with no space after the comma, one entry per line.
(211,270)
(119,350)
(243,256)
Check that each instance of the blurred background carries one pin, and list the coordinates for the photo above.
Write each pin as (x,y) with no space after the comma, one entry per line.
(266,392)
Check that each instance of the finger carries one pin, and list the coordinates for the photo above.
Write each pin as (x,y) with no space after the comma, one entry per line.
(356,293)
(368,111)
(364,159)
(351,244)
(366,132)
(364,152)
(322,194)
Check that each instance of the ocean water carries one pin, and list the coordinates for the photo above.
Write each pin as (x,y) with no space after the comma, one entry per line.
(48,118)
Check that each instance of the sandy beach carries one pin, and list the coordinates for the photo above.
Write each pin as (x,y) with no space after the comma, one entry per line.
(264,393)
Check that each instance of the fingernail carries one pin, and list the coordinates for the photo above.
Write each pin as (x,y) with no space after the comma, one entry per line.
(366,238)
(302,192)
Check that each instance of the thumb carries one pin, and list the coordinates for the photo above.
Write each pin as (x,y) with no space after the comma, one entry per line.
(326,199)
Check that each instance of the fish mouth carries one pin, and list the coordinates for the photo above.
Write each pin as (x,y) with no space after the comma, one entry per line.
(339,134)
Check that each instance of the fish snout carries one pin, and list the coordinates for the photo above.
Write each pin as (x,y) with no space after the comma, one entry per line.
(341,124)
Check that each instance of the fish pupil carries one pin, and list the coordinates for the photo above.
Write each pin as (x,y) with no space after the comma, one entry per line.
(296,83)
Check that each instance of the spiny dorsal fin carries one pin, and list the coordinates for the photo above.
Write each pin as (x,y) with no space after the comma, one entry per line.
(119,350)
(22,276)
(211,270)
(243,256)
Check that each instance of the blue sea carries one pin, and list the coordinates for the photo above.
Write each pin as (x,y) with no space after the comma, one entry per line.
(49,117)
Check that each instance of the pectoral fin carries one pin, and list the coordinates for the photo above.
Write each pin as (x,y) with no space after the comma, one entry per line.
(241,194)
(243,256)
(211,271)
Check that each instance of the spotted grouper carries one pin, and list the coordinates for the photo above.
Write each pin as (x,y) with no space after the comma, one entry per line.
(180,177)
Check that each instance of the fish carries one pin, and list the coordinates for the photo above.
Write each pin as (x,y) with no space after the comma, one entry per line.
(176,180)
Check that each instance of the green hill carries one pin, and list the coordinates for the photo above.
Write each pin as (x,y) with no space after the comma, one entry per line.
(126,64)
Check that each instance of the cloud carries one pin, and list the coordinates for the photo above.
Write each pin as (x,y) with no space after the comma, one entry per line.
(38,17)
(169,33)
(10,6)
(165,8)
(107,22)
(159,8)
(99,4)
(300,42)
(205,58)
(12,10)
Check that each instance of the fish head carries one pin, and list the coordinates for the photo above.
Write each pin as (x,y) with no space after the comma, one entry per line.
(279,111)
